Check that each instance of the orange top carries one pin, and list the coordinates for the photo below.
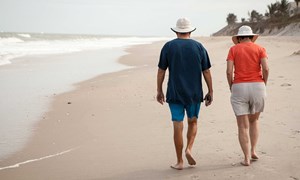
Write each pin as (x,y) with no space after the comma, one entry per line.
(246,58)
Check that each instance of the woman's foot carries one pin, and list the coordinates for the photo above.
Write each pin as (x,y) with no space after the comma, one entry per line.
(254,156)
(245,163)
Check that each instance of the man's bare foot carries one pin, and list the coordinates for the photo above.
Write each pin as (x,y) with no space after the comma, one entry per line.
(190,158)
(254,157)
(178,166)
(245,163)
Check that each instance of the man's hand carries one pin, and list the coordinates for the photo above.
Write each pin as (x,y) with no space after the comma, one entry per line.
(209,96)
(160,97)
(208,99)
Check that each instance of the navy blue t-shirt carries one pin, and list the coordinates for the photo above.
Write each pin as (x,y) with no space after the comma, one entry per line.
(185,59)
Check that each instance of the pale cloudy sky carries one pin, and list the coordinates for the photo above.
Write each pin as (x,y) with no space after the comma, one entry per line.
(117,17)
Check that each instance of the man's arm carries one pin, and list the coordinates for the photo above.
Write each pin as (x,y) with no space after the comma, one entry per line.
(160,97)
(265,69)
(229,73)
(208,80)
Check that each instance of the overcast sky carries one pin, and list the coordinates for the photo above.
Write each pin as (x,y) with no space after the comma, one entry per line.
(121,17)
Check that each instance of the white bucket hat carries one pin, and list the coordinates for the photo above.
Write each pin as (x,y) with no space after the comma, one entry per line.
(244,31)
(183,25)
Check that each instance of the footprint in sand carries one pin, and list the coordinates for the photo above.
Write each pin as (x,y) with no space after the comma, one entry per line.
(195,177)
(296,53)
(285,84)
(295,132)
(292,177)
(262,152)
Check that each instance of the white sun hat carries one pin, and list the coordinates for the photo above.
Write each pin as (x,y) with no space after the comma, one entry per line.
(183,25)
(244,31)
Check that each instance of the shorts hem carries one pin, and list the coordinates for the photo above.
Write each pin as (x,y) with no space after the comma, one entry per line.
(177,120)
(193,117)
(249,113)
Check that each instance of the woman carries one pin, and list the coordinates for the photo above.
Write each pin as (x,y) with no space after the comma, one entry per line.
(247,75)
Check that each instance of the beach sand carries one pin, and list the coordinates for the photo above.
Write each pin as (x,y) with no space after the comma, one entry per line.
(111,127)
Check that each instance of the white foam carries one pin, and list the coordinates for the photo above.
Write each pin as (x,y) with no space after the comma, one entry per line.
(35,160)
(4,41)
(13,47)
(25,35)
(4,62)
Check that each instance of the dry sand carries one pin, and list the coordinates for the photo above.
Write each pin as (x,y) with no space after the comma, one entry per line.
(111,127)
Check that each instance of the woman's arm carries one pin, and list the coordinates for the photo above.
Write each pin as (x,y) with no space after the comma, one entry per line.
(229,73)
(265,69)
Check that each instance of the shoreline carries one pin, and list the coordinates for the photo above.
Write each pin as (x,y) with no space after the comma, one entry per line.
(29,85)
(110,127)
(39,127)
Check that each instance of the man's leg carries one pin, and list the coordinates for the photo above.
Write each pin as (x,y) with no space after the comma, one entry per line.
(243,126)
(191,135)
(254,133)
(178,141)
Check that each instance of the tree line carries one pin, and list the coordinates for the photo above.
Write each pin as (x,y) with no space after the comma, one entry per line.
(277,12)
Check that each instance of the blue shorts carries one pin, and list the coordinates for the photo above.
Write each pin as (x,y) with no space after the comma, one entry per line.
(178,110)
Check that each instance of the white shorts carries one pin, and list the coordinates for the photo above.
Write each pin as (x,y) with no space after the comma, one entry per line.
(248,98)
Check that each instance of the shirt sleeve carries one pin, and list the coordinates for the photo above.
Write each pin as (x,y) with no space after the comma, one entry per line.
(263,53)
(230,56)
(206,61)
(163,60)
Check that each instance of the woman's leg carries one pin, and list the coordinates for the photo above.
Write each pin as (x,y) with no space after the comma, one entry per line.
(243,128)
(254,133)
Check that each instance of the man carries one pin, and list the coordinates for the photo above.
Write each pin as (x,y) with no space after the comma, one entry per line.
(248,87)
(186,60)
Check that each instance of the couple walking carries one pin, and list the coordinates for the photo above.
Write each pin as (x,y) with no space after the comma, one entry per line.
(247,75)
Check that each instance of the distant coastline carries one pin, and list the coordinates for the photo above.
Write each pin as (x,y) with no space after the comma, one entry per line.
(281,19)
(292,29)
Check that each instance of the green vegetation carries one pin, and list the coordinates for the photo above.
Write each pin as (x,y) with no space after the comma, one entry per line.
(231,18)
(278,15)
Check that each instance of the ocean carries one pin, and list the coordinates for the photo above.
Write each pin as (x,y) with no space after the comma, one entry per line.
(34,67)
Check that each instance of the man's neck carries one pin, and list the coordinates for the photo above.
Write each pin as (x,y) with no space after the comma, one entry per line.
(183,36)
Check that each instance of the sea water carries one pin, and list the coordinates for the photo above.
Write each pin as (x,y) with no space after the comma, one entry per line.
(14,45)
(36,67)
